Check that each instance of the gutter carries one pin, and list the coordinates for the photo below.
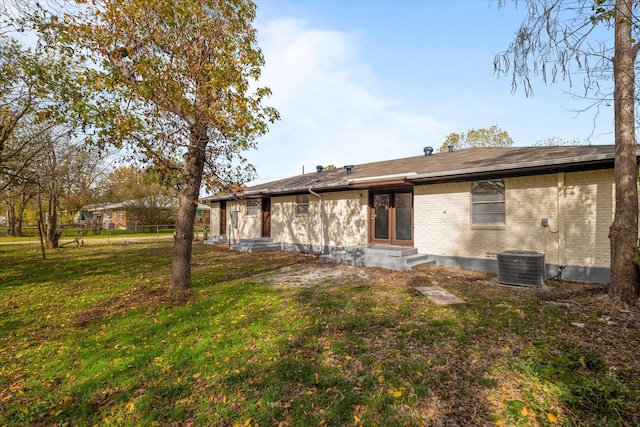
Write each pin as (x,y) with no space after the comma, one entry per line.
(515,166)
(395,176)
(319,196)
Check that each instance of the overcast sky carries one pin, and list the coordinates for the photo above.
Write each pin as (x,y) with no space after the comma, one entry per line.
(357,81)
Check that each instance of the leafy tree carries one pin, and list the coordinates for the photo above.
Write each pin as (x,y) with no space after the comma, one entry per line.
(22,99)
(62,171)
(491,137)
(560,37)
(153,209)
(16,199)
(555,142)
(124,183)
(18,184)
(147,196)
(177,82)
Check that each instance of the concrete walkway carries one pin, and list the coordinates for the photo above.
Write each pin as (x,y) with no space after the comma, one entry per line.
(439,295)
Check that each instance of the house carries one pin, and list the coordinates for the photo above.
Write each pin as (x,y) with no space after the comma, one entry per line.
(107,215)
(123,215)
(461,208)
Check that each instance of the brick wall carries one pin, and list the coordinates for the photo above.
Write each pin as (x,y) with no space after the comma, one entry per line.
(589,205)
(343,221)
(443,219)
(214,219)
(249,226)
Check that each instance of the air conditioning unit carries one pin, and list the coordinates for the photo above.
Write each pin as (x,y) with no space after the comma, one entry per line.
(521,268)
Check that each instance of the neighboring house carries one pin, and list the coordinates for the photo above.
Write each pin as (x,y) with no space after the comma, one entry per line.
(117,215)
(111,215)
(460,208)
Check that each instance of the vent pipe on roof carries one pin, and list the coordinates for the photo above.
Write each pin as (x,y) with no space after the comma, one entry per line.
(450,148)
(428,151)
(349,169)
(319,168)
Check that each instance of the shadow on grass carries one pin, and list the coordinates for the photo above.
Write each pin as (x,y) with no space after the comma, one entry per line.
(238,351)
(25,266)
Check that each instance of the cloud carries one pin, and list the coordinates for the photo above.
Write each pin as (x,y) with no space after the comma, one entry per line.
(332,107)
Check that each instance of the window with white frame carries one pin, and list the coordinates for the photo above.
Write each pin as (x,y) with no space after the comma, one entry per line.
(488,202)
(252,207)
(302,204)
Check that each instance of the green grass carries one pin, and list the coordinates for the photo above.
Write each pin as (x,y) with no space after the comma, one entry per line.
(90,336)
(69,233)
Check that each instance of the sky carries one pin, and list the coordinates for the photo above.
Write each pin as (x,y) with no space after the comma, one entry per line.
(358,81)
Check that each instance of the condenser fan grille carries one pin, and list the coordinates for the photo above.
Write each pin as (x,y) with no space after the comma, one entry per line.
(521,268)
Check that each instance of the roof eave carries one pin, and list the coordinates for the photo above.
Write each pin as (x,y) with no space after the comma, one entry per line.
(521,168)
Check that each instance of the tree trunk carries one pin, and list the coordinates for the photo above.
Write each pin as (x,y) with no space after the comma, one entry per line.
(188,200)
(11,221)
(53,235)
(624,230)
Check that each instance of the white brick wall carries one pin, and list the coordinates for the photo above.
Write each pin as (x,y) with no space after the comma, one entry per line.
(343,222)
(443,219)
(249,226)
(589,204)
(214,219)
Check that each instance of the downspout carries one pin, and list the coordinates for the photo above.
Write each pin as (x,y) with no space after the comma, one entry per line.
(321,220)
(561,224)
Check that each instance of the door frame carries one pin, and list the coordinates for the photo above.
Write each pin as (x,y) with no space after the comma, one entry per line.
(392,217)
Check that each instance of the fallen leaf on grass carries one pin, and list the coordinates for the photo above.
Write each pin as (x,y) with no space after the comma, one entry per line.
(394,392)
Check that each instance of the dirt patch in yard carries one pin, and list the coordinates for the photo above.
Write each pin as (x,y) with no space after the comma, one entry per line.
(314,273)
(586,325)
(585,306)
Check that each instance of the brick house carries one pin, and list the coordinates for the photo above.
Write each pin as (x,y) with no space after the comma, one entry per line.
(462,208)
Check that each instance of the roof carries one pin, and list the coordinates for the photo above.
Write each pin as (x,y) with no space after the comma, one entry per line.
(465,164)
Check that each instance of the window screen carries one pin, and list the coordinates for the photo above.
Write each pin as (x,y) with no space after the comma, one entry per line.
(302,204)
(252,207)
(487,202)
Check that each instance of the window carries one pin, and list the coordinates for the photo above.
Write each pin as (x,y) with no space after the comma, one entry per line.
(302,204)
(252,207)
(487,202)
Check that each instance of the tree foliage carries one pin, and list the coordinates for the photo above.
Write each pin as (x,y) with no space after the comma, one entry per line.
(560,39)
(483,137)
(148,198)
(64,174)
(175,82)
(556,141)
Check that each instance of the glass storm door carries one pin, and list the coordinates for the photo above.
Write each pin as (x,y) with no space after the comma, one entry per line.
(392,218)
(381,213)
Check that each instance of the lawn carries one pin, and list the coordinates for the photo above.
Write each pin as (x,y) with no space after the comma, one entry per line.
(90,336)
(68,234)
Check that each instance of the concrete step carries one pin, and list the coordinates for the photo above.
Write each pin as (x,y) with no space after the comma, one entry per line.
(256,240)
(392,251)
(393,258)
(262,248)
(216,240)
(263,244)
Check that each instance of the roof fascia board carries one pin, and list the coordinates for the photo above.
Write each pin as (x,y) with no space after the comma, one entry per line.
(387,183)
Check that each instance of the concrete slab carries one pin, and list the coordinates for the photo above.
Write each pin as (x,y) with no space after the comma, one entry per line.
(439,296)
